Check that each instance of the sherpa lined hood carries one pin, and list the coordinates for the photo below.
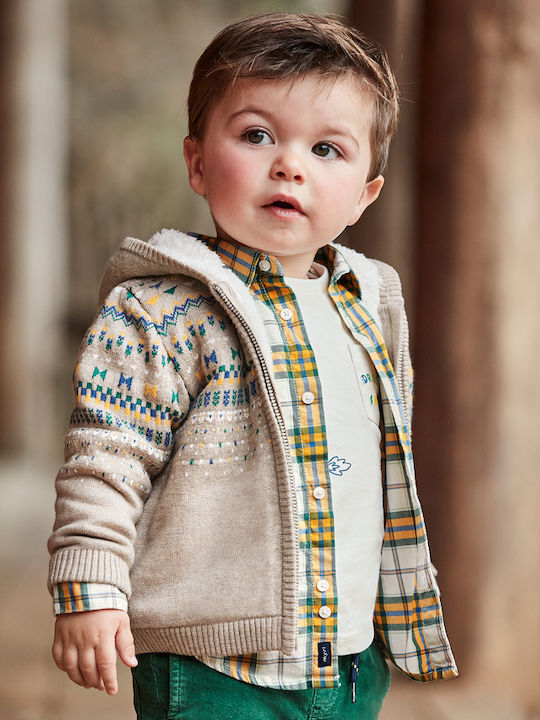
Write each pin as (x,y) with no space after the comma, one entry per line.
(171,252)
(168,252)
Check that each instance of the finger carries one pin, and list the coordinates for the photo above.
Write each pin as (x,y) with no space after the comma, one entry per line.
(106,666)
(125,644)
(70,664)
(58,653)
(59,644)
(88,667)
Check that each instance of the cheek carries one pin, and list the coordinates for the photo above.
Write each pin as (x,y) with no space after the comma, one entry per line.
(350,189)
(338,200)
(227,176)
(336,196)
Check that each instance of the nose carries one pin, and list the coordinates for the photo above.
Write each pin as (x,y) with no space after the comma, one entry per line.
(287,166)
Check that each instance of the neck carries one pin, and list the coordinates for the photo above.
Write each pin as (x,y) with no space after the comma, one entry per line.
(296,266)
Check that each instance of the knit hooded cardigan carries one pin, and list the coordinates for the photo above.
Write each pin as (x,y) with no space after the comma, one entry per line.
(178,486)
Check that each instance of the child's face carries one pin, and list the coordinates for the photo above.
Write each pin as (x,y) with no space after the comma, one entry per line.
(284,165)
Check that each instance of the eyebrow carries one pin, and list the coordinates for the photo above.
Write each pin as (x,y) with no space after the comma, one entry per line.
(249,109)
(328,130)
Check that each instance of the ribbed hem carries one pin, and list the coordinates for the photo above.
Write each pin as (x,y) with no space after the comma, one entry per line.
(88,565)
(221,639)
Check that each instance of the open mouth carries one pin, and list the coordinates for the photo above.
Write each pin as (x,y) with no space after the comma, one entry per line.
(283,204)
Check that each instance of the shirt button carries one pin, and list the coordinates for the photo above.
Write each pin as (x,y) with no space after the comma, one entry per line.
(325,612)
(323,585)
(285,314)
(308,397)
(319,492)
(264,265)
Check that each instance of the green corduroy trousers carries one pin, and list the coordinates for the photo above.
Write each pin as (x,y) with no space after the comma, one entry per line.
(171,687)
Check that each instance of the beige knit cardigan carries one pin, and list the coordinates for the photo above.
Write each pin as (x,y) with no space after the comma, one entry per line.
(177,486)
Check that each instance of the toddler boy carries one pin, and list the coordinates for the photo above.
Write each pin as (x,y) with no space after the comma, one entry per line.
(238,463)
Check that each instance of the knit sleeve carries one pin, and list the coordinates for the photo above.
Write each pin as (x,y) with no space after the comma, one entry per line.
(129,399)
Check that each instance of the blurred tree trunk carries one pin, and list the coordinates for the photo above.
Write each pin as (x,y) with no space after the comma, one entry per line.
(387,230)
(477,330)
(471,233)
(456,325)
(34,280)
(7,397)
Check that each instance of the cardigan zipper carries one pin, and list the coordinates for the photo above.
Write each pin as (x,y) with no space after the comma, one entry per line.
(399,375)
(398,370)
(271,394)
(399,367)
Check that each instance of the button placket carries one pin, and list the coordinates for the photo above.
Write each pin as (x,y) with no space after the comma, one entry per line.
(288,327)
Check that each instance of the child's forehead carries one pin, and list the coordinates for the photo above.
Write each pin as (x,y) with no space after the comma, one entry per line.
(307,89)
(319,84)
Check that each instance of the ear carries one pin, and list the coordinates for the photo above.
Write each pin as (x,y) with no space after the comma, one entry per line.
(193,158)
(369,194)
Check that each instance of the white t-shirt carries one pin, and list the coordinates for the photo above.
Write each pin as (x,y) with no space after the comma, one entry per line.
(351,414)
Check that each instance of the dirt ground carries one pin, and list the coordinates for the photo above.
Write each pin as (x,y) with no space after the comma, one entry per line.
(31,688)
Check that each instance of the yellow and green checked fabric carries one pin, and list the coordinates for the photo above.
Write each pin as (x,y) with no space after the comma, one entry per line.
(70,597)
(407,604)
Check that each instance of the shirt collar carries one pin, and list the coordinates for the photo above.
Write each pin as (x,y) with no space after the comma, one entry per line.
(341,275)
(242,260)
(245,262)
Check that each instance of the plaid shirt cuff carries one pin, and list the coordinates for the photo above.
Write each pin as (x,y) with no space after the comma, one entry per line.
(70,597)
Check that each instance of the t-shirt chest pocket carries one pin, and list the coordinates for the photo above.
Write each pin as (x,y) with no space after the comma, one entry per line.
(368,382)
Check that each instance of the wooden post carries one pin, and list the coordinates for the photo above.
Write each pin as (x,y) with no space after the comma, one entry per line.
(470,234)
(7,395)
(477,330)
(34,303)
(388,228)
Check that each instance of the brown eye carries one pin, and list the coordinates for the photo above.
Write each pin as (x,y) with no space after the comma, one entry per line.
(257,136)
(325,150)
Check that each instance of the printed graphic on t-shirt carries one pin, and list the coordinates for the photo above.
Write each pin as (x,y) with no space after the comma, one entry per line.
(337,466)
(369,395)
(367,381)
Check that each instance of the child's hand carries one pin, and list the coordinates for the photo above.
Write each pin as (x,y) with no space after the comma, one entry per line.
(85,645)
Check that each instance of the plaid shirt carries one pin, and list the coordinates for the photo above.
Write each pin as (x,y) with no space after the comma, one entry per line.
(295,373)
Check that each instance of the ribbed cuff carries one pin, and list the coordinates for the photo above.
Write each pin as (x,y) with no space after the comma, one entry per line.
(88,565)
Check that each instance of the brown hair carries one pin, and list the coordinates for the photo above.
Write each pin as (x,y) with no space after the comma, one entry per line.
(280,45)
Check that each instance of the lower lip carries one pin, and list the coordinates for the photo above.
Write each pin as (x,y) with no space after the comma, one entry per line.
(283,213)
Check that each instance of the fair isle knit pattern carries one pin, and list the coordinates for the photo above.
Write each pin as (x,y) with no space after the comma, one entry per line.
(119,398)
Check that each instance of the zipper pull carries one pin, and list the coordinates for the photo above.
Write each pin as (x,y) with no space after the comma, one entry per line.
(354,675)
